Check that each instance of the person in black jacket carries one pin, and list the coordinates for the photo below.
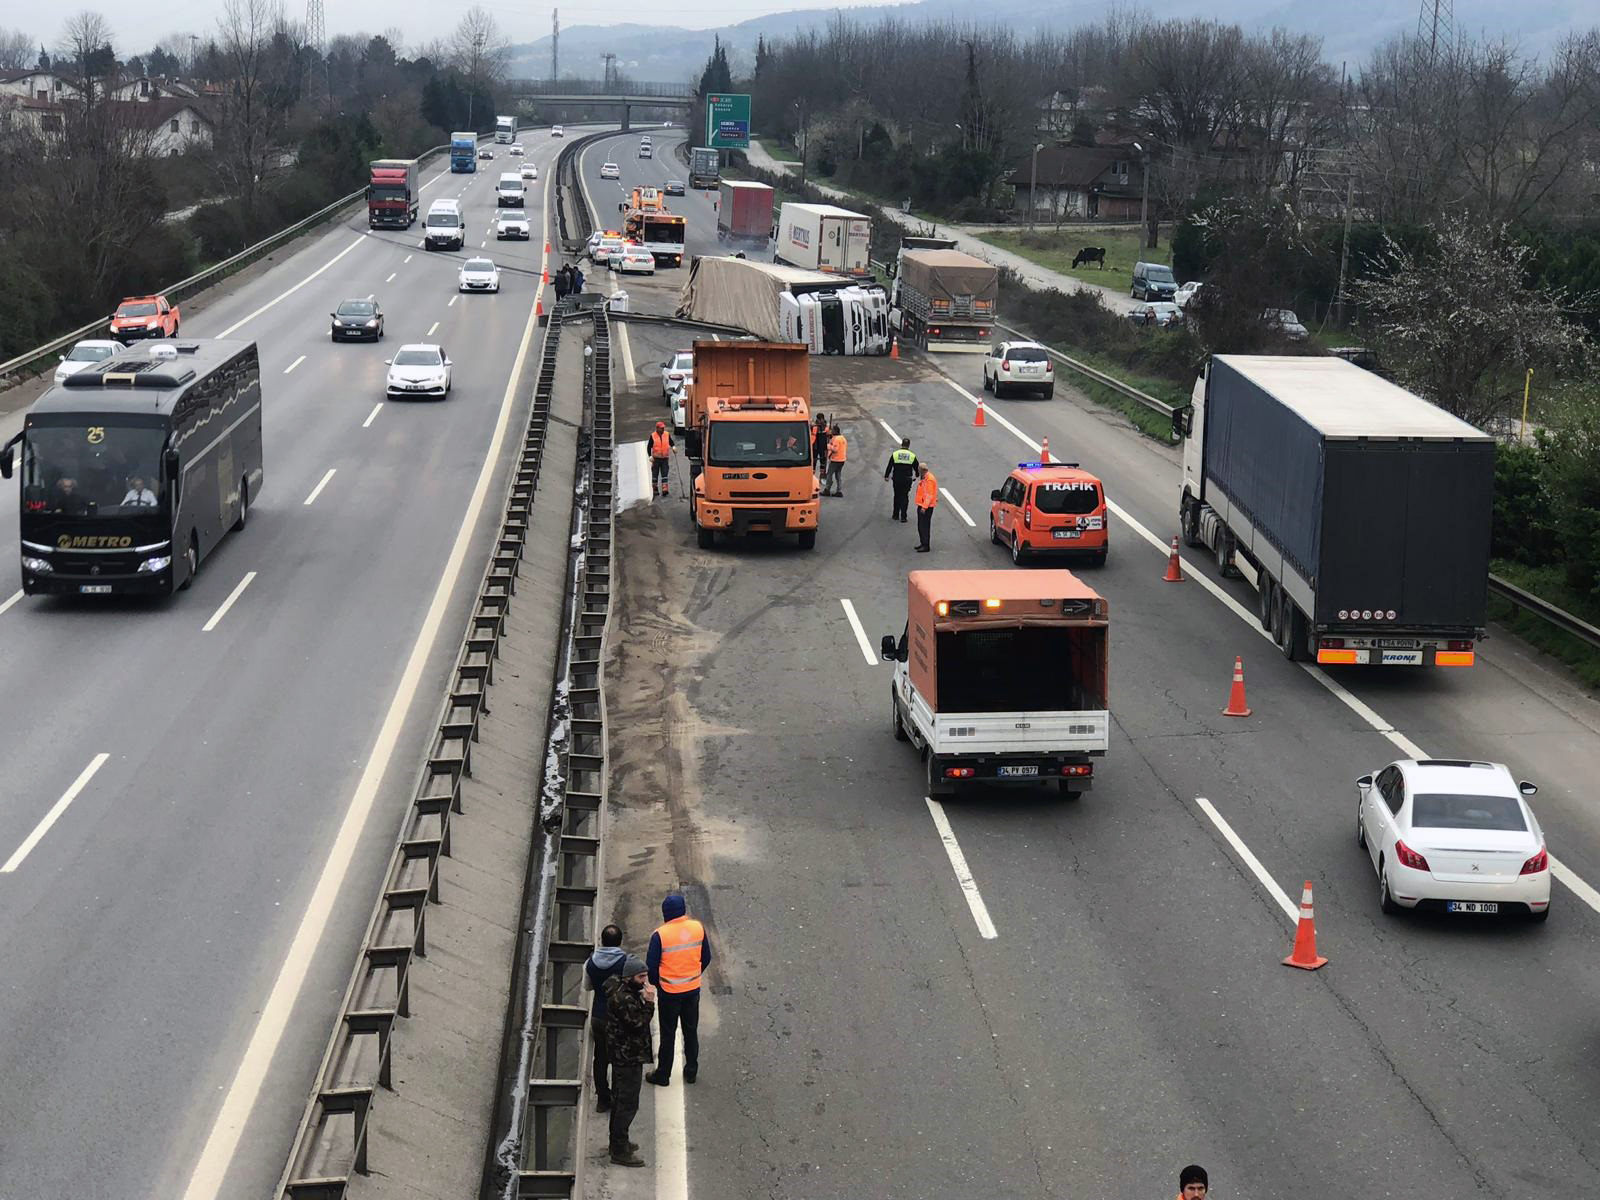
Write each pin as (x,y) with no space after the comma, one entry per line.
(630,1007)
(902,470)
(605,962)
(820,436)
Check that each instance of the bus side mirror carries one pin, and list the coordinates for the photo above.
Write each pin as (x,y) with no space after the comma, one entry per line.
(172,464)
(889,653)
(5,462)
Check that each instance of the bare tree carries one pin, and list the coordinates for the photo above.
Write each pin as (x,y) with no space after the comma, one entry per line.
(86,44)
(17,50)
(260,88)
(478,49)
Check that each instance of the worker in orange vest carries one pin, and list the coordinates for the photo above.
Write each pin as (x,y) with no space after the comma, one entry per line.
(660,459)
(837,450)
(679,954)
(927,496)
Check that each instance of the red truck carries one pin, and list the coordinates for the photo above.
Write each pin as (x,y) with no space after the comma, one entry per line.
(744,211)
(144,317)
(392,193)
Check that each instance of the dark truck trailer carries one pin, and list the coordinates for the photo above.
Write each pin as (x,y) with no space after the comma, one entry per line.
(393,194)
(1362,510)
(944,299)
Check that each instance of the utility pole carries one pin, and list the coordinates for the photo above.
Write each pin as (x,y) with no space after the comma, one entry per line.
(1033,184)
(611,60)
(1144,195)
(1344,249)
(555,44)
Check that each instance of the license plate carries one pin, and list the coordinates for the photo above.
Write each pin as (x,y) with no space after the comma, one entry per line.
(95,589)
(1017,772)
(1396,643)
(1472,906)
(1064,533)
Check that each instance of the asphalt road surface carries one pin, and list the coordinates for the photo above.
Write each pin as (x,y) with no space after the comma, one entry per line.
(1130,1013)
(259,732)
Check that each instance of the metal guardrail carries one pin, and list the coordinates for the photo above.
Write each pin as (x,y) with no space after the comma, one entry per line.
(199,281)
(1545,611)
(331,1142)
(1100,377)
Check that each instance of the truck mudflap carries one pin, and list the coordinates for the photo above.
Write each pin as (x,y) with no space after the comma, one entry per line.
(1074,772)
(745,518)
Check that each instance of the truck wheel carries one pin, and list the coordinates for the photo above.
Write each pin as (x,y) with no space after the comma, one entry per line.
(705,537)
(1296,633)
(1189,520)
(191,562)
(1277,617)
(899,727)
(1223,555)
(244,505)
(808,539)
(1265,597)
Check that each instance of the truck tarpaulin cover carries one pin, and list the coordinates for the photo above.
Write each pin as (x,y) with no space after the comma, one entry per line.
(949,273)
(744,294)
(1377,498)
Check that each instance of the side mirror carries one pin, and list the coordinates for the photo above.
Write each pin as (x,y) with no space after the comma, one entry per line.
(5,463)
(1364,783)
(1526,788)
(334,315)
(61,358)
(889,651)
(995,494)
(173,465)
(448,363)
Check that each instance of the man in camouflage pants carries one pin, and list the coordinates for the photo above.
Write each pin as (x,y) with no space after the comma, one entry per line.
(630,1006)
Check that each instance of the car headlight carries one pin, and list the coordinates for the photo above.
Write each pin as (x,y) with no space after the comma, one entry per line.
(372,324)
(39,566)
(152,565)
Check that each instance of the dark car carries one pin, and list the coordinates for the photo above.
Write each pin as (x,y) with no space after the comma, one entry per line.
(357,320)
(674,187)
(486,153)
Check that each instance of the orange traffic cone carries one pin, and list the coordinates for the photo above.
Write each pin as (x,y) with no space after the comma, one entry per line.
(546,278)
(1305,954)
(547,247)
(1174,570)
(894,346)
(538,308)
(1236,705)
(1044,452)
(977,417)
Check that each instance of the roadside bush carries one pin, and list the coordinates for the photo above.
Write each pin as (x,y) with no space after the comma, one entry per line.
(217,231)
(28,313)
(1522,530)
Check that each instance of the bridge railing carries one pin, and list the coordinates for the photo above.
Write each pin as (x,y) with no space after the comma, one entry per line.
(598,87)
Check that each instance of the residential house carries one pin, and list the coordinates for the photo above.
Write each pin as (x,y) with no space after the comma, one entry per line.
(1083,183)
(177,123)
(145,88)
(33,84)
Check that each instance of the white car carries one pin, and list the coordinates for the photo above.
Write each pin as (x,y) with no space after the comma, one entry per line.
(1186,292)
(676,370)
(601,246)
(1286,322)
(84,355)
(511,225)
(529,171)
(1019,365)
(645,151)
(420,369)
(1455,835)
(555,131)
(478,275)
(516,150)
(610,170)
(633,260)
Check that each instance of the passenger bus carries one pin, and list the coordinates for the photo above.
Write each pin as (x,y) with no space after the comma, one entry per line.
(135,469)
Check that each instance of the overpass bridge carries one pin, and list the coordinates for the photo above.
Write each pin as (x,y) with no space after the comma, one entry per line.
(626,94)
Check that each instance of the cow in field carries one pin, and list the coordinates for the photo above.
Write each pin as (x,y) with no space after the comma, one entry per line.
(1090,254)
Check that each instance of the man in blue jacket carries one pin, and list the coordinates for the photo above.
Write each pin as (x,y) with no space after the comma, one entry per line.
(679,953)
(605,962)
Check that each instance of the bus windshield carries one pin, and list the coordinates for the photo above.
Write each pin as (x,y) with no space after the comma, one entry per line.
(82,469)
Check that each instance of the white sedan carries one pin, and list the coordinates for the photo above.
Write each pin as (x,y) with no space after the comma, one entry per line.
(85,354)
(631,259)
(511,225)
(601,246)
(516,150)
(529,171)
(419,370)
(555,131)
(478,275)
(610,170)
(1455,835)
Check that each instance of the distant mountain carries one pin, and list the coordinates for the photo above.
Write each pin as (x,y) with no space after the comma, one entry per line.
(1350,30)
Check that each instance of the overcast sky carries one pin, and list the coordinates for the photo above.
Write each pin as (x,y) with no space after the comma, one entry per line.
(138,26)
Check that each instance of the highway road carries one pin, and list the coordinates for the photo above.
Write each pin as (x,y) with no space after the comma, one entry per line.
(202,793)
(1130,1013)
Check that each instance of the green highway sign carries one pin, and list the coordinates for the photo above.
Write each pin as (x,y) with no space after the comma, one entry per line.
(728,122)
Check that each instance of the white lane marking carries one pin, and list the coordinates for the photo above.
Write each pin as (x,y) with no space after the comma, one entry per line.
(452,303)
(431,328)
(294,364)
(228,603)
(210,1169)
(1250,860)
(627,351)
(861,634)
(895,437)
(321,483)
(405,260)
(672,1141)
(955,504)
(1578,886)
(391,277)
(376,409)
(12,599)
(371,296)
(483,243)
(958,860)
(54,815)
(284,295)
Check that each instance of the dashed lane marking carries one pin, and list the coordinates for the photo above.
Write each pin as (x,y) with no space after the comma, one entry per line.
(861,634)
(238,591)
(294,364)
(1250,860)
(956,504)
(321,483)
(958,861)
(376,409)
(54,815)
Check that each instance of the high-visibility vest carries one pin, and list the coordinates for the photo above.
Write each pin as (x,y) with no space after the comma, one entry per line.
(661,444)
(681,940)
(902,458)
(836,448)
(927,491)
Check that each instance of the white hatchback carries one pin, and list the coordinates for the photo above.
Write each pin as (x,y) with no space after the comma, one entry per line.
(516,150)
(529,171)
(478,275)
(511,225)
(418,370)
(610,170)
(1453,834)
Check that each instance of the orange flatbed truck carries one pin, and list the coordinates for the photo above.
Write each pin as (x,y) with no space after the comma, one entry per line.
(1002,678)
(748,441)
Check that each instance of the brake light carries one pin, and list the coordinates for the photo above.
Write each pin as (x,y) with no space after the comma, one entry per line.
(1539,862)
(1332,643)
(1049,366)
(1409,857)
(959,772)
(1448,658)
(1078,771)
(1336,656)
(1005,364)
(1027,516)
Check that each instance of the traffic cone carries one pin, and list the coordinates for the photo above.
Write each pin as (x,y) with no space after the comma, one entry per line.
(894,346)
(538,308)
(1236,705)
(1044,452)
(547,247)
(1174,570)
(1305,954)
(977,417)
(546,277)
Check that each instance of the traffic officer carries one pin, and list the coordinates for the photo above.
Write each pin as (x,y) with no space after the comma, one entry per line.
(902,469)
(927,497)
(819,445)
(679,953)
(660,459)
(838,450)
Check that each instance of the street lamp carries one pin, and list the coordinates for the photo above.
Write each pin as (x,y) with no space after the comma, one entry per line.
(1033,184)
(1144,198)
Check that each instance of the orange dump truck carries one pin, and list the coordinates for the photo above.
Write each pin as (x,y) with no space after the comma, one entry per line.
(1002,677)
(748,441)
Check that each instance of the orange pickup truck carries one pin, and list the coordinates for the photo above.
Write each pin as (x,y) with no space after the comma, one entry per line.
(144,317)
